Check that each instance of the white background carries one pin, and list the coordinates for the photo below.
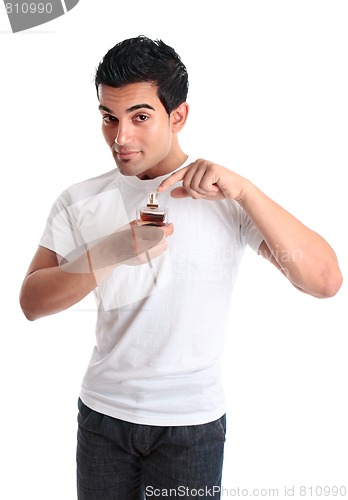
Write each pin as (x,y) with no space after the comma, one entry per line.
(268,96)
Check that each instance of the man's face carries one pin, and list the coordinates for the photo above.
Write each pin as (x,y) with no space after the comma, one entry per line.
(137,129)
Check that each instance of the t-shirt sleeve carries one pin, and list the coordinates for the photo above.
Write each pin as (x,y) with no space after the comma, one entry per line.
(61,234)
(80,217)
(249,233)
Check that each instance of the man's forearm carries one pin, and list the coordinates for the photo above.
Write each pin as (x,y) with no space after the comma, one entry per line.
(303,256)
(51,290)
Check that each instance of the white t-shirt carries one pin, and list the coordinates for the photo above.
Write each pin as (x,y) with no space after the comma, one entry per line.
(160,330)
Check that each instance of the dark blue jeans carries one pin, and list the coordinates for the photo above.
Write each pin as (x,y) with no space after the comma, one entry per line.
(118,460)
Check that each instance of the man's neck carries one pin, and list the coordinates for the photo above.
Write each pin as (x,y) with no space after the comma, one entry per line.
(166,167)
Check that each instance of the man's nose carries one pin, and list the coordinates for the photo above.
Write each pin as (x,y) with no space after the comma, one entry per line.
(123,134)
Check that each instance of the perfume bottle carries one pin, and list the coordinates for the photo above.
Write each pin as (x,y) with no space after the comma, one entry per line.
(152,214)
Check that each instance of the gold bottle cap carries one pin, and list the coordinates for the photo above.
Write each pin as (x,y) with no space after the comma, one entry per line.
(152,199)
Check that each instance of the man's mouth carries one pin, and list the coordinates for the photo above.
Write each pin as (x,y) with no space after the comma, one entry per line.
(124,154)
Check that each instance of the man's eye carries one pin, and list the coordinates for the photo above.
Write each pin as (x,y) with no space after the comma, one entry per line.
(141,118)
(108,119)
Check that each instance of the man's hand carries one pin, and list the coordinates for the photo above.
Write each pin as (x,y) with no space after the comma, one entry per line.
(316,272)
(148,242)
(131,245)
(205,179)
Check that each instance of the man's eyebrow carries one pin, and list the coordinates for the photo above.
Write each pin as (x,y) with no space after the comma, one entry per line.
(140,106)
(143,105)
(104,108)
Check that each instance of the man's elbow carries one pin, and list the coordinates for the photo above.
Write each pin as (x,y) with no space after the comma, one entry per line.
(331,285)
(28,308)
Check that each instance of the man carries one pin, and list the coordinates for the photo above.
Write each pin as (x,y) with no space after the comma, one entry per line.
(152,410)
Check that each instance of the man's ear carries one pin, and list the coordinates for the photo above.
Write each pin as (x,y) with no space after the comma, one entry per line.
(178,117)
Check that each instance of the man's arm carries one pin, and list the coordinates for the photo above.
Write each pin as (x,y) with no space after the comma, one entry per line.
(50,287)
(305,258)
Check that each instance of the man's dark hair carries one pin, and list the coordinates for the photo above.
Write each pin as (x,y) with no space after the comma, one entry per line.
(141,59)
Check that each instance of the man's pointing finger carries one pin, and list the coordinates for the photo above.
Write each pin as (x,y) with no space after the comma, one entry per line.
(173,179)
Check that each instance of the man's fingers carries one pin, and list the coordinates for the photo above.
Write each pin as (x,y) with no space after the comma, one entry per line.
(168,229)
(179,192)
(173,179)
(144,234)
(196,182)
